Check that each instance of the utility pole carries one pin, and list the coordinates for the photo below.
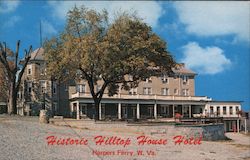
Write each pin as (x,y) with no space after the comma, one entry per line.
(41,38)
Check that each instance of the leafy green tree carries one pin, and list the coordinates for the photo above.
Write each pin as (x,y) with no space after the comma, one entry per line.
(106,52)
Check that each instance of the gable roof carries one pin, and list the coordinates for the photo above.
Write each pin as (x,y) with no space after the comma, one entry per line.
(37,54)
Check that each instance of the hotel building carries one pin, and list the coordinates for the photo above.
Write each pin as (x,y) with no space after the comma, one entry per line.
(160,98)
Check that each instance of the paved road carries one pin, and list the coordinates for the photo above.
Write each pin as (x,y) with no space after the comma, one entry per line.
(23,138)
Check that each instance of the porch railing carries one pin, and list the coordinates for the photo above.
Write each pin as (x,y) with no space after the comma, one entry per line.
(141,96)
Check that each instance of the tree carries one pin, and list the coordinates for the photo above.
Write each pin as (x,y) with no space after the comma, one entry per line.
(13,70)
(106,52)
(3,84)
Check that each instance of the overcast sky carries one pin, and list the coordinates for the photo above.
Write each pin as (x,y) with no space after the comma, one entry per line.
(211,38)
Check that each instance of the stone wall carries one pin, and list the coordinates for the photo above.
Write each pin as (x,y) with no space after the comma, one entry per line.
(209,132)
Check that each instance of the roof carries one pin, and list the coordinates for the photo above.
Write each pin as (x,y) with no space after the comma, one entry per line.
(183,70)
(37,54)
(224,102)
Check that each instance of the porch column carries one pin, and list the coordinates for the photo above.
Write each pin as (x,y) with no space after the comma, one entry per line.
(71,109)
(238,125)
(77,110)
(138,111)
(155,110)
(119,111)
(245,125)
(190,111)
(100,111)
(182,110)
(173,111)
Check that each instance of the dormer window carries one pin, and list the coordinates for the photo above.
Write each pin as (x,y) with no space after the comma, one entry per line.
(133,91)
(149,80)
(29,69)
(164,79)
(185,79)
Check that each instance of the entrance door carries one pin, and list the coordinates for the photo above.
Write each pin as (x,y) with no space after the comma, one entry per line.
(83,110)
(134,112)
(150,111)
(124,112)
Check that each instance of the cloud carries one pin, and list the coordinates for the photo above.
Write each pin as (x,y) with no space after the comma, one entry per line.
(8,6)
(216,18)
(150,11)
(47,28)
(209,60)
(11,21)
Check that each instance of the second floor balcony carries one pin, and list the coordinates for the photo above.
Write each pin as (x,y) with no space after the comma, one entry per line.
(144,97)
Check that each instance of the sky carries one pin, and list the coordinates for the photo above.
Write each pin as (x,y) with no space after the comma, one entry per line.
(212,38)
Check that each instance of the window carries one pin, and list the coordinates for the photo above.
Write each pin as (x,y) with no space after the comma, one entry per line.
(224,110)
(218,110)
(98,88)
(164,91)
(43,86)
(66,87)
(130,78)
(185,79)
(176,92)
(55,107)
(29,87)
(29,69)
(83,109)
(80,88)
(54,88)
(147,90)
(19,95)
(164,79)
(43,70)
(237,109)
(211,110)
(201,110)
(149,80)
(230,110)
(185,92)
(132,91)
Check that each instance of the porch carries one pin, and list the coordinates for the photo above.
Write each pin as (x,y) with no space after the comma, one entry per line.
(140,110)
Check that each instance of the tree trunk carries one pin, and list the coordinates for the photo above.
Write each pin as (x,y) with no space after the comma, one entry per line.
(97,103)
(12,98)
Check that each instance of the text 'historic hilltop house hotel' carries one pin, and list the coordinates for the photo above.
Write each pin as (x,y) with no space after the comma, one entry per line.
(156,98)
